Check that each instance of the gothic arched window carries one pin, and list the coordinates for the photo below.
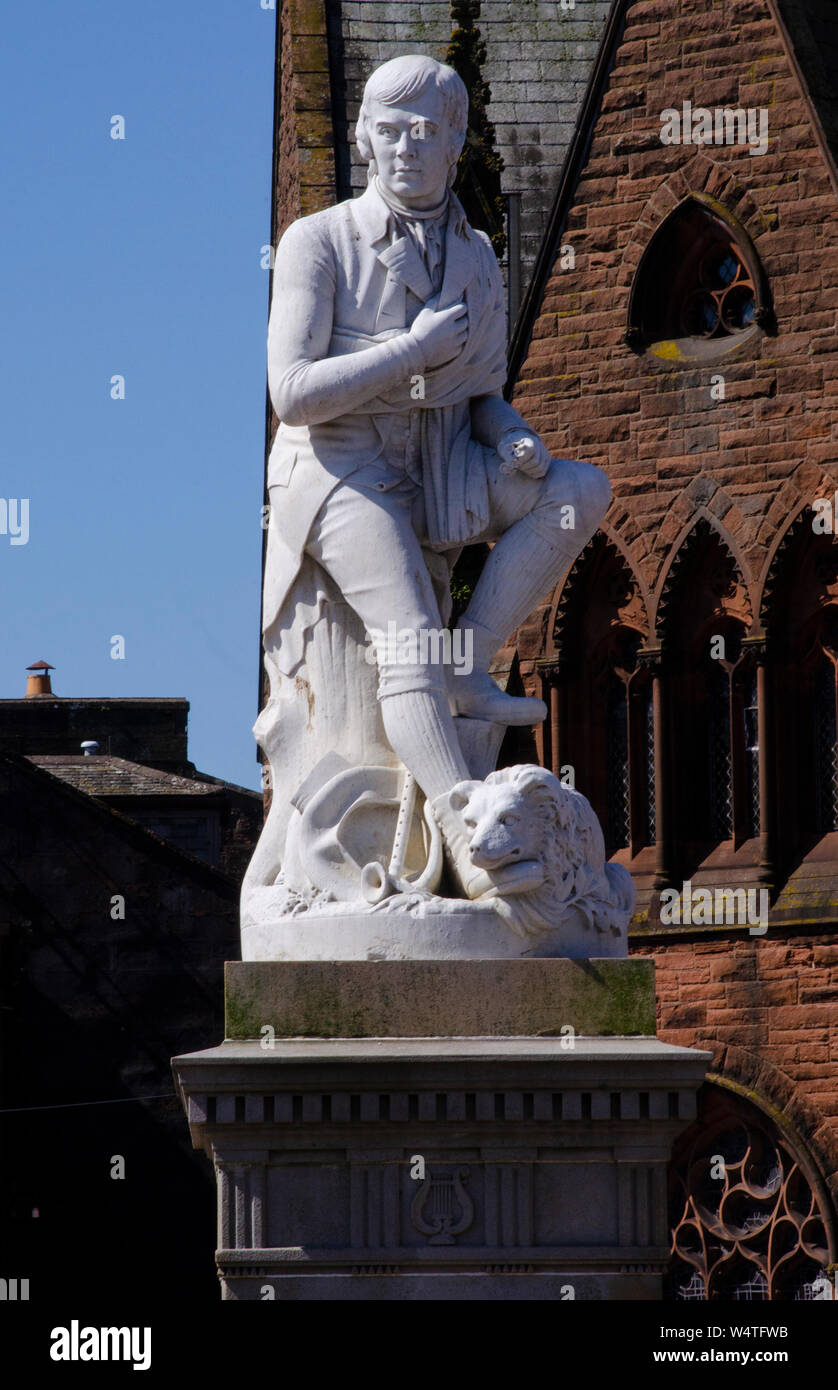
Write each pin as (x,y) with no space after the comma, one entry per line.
(750,1216)
(600,696)
(713,698)
(801,615)
(699,288)
(733,742)
(630,747)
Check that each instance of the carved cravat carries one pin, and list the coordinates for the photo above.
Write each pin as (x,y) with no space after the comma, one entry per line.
(424,227)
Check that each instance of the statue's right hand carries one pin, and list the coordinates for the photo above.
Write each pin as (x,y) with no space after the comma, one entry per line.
(441,332)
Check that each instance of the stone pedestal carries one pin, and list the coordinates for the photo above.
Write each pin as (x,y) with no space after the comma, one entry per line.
(441,1129)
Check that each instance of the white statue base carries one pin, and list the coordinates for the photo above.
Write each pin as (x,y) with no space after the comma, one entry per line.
(339,898)
(363,874)
(438,929)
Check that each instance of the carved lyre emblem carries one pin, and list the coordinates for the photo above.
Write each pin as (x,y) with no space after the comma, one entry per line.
(442,1209)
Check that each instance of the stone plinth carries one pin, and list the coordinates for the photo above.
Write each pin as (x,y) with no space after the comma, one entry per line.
(429,998)
(408,1164)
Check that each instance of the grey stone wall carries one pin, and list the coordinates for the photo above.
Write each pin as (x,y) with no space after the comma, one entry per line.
(539,58)
(542,1170)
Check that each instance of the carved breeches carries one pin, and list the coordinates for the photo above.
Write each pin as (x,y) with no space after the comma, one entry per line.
(369,535)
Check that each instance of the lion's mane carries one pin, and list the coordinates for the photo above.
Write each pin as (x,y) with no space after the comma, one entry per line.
(572,854)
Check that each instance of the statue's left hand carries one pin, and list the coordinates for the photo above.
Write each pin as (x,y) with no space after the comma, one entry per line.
(523,453)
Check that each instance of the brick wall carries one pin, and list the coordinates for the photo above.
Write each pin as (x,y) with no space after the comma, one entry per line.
(766,1008)
(148,731)
(304,174)
(773,440)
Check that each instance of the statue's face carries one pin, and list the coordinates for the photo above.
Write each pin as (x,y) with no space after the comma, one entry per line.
(412,148)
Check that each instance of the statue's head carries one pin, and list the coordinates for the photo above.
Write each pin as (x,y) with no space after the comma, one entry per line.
(412,127)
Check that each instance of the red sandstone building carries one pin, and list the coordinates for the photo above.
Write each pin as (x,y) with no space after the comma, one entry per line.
(673,319)
(689,656)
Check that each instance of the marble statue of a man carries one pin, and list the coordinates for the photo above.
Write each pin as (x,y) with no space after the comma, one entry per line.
(395,448)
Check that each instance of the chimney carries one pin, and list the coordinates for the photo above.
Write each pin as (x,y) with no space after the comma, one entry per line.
(90,747)
(38,683)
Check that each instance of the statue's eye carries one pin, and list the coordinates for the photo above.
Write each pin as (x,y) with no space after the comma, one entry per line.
(509,819)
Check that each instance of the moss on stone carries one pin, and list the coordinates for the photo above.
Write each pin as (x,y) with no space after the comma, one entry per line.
(355,999)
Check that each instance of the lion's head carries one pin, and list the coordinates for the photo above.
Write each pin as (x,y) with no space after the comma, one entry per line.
(541,844)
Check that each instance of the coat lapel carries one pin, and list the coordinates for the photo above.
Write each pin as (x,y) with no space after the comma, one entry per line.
(401,258)
(461,261)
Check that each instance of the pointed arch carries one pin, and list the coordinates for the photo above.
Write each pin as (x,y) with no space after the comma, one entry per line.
(699,291)
(798,522)
(703,616)
(702,497)
(701,176)
(698,287)
(700,530)
(634,604)
(600,691)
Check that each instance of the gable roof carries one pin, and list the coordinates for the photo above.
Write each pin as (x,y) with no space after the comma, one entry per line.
(809,29)
(104,775)
(84,817)
(809,35)
(571,169)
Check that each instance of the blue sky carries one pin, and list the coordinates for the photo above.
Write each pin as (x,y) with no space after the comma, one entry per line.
(141,258)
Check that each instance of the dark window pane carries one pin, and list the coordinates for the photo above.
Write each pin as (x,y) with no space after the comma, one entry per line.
(752,753)
(694,282)
(826,780)
(719,760)
(618,771)
(650,826)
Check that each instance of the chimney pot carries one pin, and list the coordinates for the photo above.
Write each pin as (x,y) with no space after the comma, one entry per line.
(38,681)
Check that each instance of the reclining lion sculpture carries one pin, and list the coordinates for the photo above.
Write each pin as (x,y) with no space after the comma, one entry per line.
(542,849)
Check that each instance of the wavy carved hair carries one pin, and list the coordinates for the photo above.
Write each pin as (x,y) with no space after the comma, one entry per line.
(402,78)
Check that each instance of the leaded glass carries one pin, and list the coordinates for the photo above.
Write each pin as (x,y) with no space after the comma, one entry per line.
(752,753)
(826,775)
(719,760)
(618,769)
(650,825)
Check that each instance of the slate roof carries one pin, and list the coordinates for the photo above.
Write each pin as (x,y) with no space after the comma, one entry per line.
(537,65)
(105,776)
(809,30)
(812,28)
